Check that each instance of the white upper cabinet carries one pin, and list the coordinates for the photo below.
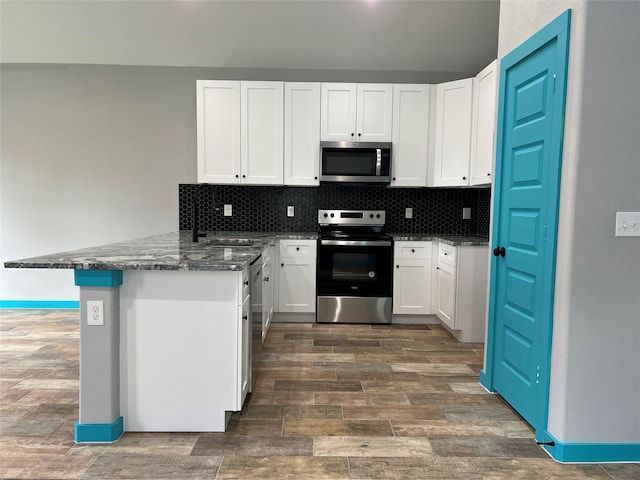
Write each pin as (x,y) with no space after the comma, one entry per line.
(410,135)
(301,133)
(452,143)
(218,131)
(261,132)
(485,101)
(356,112)
(240,132)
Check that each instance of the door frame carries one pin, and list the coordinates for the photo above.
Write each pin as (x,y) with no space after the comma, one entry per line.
(557,30)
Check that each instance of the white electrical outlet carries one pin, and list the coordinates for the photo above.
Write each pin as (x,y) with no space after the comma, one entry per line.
(228,209)
(290,211)
(466,213)
(408,212)
(627,224)
(95,312)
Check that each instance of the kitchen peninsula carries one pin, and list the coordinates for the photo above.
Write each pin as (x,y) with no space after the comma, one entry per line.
(165,336)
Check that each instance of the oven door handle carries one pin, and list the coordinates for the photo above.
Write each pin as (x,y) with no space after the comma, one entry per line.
(357,243)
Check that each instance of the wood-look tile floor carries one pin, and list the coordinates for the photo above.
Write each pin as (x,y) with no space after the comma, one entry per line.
(331,402)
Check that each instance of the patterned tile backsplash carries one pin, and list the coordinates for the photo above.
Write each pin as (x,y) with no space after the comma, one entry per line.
(256,209)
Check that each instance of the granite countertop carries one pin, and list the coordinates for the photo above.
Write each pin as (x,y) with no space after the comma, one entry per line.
(218,251)
(455,240)
(169,251)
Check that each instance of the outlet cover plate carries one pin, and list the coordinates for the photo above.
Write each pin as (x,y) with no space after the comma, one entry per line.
(290,211)
(228,210)
(95,312)
(627,224)
(408,212)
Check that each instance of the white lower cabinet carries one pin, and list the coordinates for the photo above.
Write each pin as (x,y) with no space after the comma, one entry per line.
(184,349)
(412,278)
(244,360)
(460,290)
(268,283)
(297,276)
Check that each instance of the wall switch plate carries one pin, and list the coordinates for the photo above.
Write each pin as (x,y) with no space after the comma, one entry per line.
(290,211)
(627,224)
(95,312)
(228,209)
(466,213)
(408,212)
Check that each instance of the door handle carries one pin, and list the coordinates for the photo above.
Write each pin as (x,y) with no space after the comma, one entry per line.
(499,252)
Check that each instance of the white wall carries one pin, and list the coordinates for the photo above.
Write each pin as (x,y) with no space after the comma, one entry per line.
(595,384)
(90,155)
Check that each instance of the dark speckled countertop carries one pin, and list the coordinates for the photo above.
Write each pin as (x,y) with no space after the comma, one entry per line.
(456,240)
(227,251)
(218,251)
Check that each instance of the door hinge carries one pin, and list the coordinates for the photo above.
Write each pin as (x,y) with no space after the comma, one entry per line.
(554,83)
(545,233)
(537,374)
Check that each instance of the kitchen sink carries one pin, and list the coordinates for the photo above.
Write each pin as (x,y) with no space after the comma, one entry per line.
(232,243)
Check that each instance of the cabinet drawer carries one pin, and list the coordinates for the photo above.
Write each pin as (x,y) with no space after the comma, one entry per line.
(412,250)
(297,248)
(447,254)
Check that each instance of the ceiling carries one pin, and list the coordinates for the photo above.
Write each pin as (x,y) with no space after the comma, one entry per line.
(385,35)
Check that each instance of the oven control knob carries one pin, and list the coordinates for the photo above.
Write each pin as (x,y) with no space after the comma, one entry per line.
(378,215)
(371,215)
(326,215)
(332,215)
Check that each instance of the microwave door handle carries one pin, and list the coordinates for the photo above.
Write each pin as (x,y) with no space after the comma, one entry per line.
(378,161)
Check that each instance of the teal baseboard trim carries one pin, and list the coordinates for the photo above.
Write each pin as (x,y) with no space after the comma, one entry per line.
(592,452)
(98,432)
(98,278)
(41,304)
(484,381)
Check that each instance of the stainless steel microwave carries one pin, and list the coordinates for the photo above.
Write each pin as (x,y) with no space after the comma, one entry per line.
(355,162)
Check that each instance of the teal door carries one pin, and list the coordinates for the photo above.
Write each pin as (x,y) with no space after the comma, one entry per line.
(529,152)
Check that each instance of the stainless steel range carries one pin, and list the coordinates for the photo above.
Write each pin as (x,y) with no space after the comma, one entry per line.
(355,267)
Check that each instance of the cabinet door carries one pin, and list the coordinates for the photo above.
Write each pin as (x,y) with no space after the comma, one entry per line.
(297,285)
(412,287)
(301,133)
(452,144)
(485,100)
(267,297)
(244,352)
(338,112)
(410,135)
(374,112)
(218,131)
(446,294)
(261,132)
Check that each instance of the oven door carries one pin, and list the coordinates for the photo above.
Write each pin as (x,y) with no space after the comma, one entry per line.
(355,267)
(354,281)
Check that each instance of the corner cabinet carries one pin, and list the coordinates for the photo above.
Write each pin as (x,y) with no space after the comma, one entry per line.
(452,142)
(483,136)
(460,290)
(297,276)
(410,135)
(356,112)
(412,278)
(301,133)
(240,132)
